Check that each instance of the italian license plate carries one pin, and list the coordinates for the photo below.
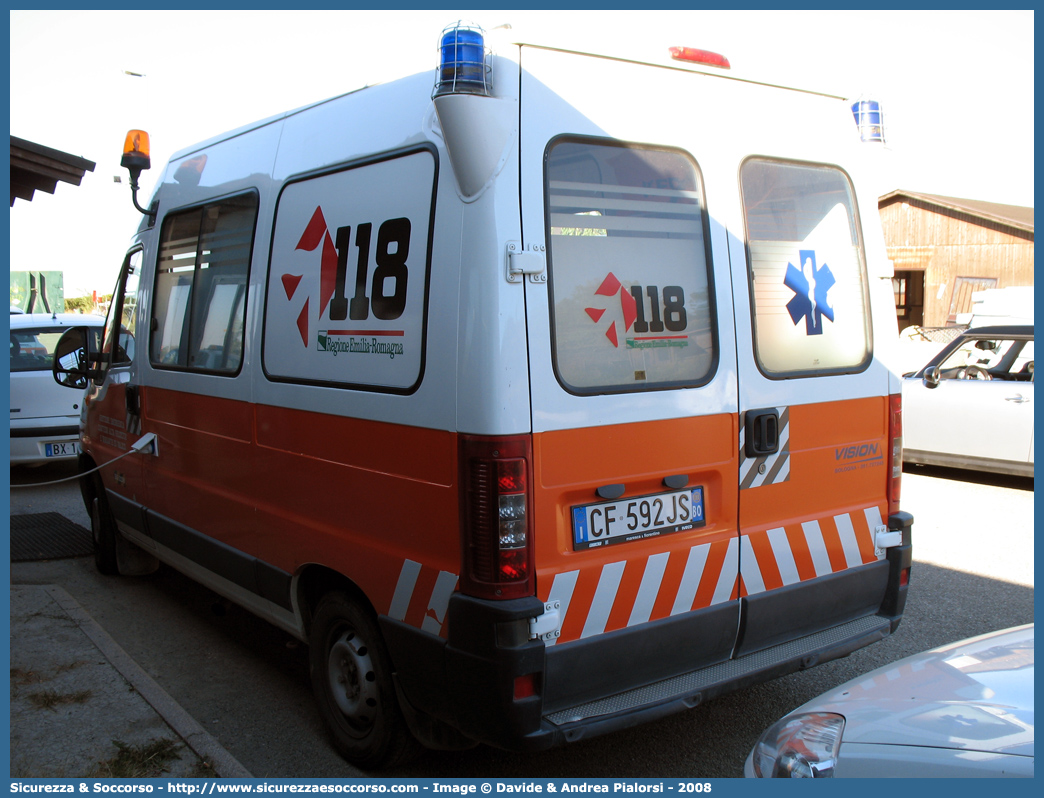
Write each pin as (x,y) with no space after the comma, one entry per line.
(637,518)
(70,449)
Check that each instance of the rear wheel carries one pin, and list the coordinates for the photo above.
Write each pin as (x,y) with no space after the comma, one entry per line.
(351,679)
(103,530)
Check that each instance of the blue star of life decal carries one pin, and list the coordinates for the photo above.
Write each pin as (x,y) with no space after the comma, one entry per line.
(810,286)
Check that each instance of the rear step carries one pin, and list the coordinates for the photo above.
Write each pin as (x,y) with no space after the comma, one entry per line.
(691,687)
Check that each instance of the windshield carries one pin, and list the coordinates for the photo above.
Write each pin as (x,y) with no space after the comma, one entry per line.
(33,347)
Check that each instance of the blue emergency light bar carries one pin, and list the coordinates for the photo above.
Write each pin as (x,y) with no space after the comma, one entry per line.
(464,67)
(869,119)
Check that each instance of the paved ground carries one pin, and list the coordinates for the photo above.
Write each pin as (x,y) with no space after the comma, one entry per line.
(247,682)
(80,707)
(974,523)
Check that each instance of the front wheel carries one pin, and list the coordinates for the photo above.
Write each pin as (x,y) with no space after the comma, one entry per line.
(351,679)
(103,531)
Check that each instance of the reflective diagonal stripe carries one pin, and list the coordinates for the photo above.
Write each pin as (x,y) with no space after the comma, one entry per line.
(605,596)
(767,560)
(817,548)
(782,556)
(436,603)
(690,582)
(439,601)
(562,592)
(849,544)
(752,578)
(400,602)
(788,570)
(727,575)
(873,520)
(780,470)
(701,576)
(650,589)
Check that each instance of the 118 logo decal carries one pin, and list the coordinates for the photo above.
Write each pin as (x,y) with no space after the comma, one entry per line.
(666,316)
(387,289)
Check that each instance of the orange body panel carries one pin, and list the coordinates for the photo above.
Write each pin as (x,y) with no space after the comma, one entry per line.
(820,520)
(294,488)
(817,431)
(621,585)
(111,430)
(205,474)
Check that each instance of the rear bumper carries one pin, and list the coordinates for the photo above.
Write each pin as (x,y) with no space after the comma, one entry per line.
(688,690)
(28,442)
(616,680)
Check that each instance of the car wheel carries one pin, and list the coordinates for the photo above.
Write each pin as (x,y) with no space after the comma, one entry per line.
(351,679)
(103,530)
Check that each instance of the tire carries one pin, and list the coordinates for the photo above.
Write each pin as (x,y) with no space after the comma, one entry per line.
(103,531)
(352,682)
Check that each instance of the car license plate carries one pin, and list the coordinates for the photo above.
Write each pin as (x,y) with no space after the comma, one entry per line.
(70,449)
(637,518)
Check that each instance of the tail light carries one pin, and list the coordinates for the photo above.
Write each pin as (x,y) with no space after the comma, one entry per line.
(496,518)
(895,453)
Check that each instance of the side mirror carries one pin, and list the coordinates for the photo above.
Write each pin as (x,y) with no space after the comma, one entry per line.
(73,356)
(932,377)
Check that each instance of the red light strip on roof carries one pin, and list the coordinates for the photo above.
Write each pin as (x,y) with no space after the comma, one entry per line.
(695,56)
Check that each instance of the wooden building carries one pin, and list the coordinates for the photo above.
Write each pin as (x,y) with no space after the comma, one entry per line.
(944,249)
(38,168)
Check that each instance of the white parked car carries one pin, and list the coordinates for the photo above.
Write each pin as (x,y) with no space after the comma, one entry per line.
(971,406)
(963,710)
(45,417)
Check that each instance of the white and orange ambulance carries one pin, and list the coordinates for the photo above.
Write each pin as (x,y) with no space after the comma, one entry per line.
(541,396)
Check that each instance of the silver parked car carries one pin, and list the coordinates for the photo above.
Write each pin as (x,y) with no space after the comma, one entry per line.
(971,406)
(963,710)
(45,417)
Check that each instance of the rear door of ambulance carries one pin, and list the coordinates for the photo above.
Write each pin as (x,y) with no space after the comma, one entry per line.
(656,351)
(633,376)
(814,399)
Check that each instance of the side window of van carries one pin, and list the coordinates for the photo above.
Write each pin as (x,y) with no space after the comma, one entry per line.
(121,322)
(199,308)
(348,276)
(631,295)
(807,269)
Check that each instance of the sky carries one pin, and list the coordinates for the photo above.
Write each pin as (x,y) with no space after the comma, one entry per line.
(956,88)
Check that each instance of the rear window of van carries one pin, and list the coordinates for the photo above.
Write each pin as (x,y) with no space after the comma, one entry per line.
(807,272)
(630,289)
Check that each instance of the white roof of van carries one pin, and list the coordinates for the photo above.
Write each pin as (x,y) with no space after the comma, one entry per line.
(646,58)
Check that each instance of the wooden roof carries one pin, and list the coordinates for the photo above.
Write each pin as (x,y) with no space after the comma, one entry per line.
(1014,216)
(38,168)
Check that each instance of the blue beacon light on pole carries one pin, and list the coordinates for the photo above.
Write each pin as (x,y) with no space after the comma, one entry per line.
(463,62)
(869,119)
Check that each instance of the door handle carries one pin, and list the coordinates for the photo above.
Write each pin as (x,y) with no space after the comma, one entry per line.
(133,399)
(1017,399)
(761,432)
